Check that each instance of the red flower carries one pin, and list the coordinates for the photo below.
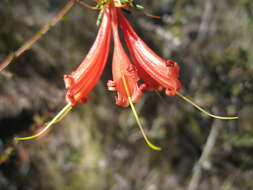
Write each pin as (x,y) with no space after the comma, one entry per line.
(125,77)
(155,71)
(82,81)
(122,70)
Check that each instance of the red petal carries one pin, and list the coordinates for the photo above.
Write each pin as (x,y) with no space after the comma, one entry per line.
(151,68)
(121,67)
(83,80)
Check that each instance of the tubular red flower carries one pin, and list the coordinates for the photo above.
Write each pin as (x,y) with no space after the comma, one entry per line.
(156,72)
(152,69)
(121,67)
(80,82)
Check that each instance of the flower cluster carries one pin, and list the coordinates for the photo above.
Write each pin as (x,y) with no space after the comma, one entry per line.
(149,71)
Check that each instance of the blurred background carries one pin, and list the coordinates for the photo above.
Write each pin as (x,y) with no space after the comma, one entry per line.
(98,145)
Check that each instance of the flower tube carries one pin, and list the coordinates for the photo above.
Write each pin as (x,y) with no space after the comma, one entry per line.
(80,82)
(155,71)
(121,67)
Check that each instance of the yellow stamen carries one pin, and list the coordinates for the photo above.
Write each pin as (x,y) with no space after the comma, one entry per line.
(204,111)
(56,119)
(137,117)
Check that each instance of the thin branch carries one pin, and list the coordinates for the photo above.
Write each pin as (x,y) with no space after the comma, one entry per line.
(206,21)
(27,45)
(5,155)
(205,158)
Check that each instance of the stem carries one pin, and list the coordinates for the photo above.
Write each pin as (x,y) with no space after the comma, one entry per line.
(27,45)
(86,5)
(205,157)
